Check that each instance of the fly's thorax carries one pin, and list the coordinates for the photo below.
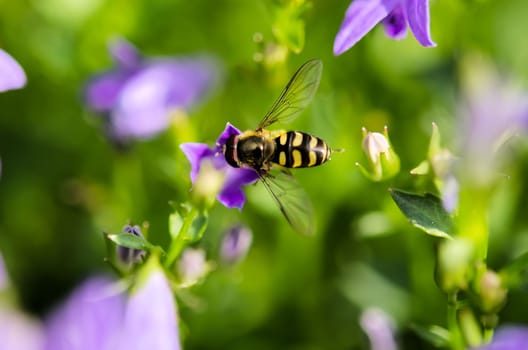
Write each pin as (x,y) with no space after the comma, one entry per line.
(255,149)
(296,149)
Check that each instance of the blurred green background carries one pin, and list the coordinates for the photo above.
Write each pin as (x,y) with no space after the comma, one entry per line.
(63,183)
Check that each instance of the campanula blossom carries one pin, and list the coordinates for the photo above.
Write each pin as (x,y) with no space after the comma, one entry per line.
(235,244)
(231,194)
(511,337)
(140,95)
(494,110)
(99,315)
(12,76)
(193,266)
(362,15)
(379,328)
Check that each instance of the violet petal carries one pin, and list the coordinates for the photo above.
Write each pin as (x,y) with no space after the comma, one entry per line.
(151,317)
(102,91)
(19,331)
(124,53)
(232,195)
(12,76)
(88,320)
(195,152)
(396,24)
(360,18)
(418,16)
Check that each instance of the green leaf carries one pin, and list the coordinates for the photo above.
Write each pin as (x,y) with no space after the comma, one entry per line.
(175,224)
(288,26)
(425,212)
(515,274)
(198,226)
(129,240)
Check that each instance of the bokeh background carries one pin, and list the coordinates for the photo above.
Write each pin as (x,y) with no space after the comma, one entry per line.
(63,183)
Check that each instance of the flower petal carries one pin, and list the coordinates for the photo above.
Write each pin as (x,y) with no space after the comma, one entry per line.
(102,91)
(88,320)
(396,24)
(232,195)
(124,53)
(150,318)
(12,76)
(229,131)
(418,17)
(510,337)
(360,18)
(145,102)
(195,152)
(19,332)
(4,281)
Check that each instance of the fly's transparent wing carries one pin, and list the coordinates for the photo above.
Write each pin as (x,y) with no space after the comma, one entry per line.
(296,95)
(292,200)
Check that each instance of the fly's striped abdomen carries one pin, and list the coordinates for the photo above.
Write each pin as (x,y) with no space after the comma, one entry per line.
(295,149)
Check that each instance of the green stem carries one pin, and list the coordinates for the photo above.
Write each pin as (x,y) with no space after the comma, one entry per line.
(457,341)
(178,243)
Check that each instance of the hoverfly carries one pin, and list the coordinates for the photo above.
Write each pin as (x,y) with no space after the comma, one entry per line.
(261,149)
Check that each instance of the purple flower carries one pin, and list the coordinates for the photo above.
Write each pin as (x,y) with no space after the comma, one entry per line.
(98,315)
(494,110)
(130,256)
(362,15)
(379,328)
(12,76)
(140,95)
(231,194)
(4,281)
(235,244)
(508,338)
(19,331)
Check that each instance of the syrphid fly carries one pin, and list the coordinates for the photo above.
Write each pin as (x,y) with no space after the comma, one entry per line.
(263,150)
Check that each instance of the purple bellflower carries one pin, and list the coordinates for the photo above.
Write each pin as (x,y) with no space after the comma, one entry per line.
(362,15)
(12,76)
(235,244)
(98,315)
(140,95)
(231,194)
(508,338)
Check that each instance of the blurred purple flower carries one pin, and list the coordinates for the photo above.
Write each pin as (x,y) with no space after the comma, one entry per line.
(130,256)
(98,316)
(138,95)
(231,194)
(495,109)
(508,338)
(362,15)
(3,274)
(235,244)
(19,331)
(12,76)
(379,328)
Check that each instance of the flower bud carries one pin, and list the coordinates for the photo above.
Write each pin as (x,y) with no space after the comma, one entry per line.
(129,256)
(383,162)
(192,266)
(491,290)
(455,259)
(235,244)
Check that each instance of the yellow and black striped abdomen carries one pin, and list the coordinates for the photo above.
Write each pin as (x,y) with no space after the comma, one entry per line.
(295,149)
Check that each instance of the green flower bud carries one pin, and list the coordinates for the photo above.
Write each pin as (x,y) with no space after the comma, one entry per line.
(454,265)
(383,162)
(491,291)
